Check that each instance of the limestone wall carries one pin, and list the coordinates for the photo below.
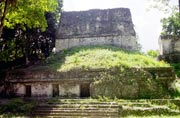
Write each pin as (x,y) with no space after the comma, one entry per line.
(45,89)
(20,89)
(41,89)
(69,90)
(96,27)
(128,83)
(134,83)
(37,89)
(170,48)
(125,42)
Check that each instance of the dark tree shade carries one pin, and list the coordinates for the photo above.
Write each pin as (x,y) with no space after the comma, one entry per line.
(20,47)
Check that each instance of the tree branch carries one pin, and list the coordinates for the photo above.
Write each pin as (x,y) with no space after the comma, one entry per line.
(4,16)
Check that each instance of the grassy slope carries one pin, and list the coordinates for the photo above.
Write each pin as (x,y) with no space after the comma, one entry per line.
(99,57)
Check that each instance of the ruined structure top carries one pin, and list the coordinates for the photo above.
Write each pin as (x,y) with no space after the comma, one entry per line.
(96,27)
(169,48)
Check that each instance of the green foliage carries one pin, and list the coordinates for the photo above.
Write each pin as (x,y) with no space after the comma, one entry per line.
(168,108)
(176,68)
(11,52)
(17,107)
(54,100)
(30,13)
(171,25)
(128,83)
(176,87)
(100,57)
(153,53)
(154,116)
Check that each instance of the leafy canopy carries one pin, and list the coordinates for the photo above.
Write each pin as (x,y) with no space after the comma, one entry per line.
(171,25)
(30,13)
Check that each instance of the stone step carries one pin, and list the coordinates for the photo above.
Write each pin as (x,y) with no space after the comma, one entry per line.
(83,102)
(76,111)
(136,104)
(76,114)
(142,111)
(78,106)
(75,117)
(144,108)
(80,109)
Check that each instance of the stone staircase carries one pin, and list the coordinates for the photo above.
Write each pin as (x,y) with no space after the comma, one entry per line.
(77,110)
(92,108)
(149,108)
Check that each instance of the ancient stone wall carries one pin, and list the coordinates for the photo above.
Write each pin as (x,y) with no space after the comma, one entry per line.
(20,89)
(38,89)
(130,83)
(170,48)
(69,90)
(134,83)
(45,89)
(41,89)
(96,27)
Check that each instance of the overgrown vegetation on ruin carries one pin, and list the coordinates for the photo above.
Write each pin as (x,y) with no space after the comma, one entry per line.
(17,107)
(100,57)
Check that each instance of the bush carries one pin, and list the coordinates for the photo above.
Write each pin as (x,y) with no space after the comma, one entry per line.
(176,68)
(153,53)
(18,107)
(171,25)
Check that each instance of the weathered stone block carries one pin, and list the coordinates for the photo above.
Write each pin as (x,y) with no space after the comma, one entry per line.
(96,27)
(170,48)
(113,82)
(133,83)
(41,89)
(69,90)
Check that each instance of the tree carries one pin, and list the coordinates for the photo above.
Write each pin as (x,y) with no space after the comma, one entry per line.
(25,13)
(24,34)
(4,4)
(171,25)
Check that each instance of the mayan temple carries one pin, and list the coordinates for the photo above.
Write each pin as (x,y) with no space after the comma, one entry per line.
(96,27)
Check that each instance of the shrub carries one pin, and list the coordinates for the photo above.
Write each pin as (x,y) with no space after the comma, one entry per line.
(18,107)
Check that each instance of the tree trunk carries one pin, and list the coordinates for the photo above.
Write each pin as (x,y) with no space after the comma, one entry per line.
(4,16)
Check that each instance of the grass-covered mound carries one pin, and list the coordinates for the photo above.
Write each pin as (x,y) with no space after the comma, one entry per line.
(100,57)
(123,75)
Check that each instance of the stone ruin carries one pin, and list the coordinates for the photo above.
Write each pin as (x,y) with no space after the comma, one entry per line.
(93,27)
(170,48)
(97,27)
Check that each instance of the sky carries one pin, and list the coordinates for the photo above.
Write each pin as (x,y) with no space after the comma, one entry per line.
(146,22)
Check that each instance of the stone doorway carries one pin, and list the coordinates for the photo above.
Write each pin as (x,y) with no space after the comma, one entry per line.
(28,91)
(85,90)
(55,90)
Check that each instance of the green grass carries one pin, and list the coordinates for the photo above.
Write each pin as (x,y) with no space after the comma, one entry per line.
(100,57)
(178,116)
(12,116)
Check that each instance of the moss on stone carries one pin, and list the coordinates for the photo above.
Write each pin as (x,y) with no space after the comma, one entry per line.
(128,83)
